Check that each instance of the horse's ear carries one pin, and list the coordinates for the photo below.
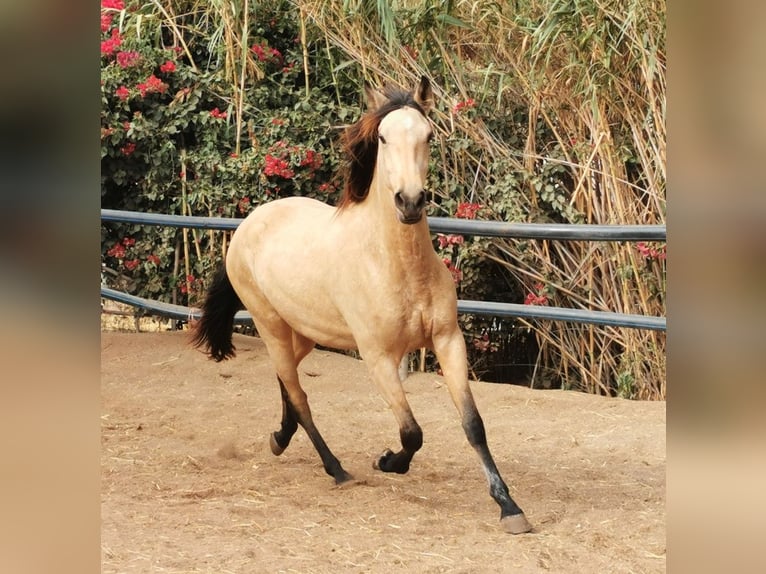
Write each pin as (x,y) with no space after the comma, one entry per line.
(424,95)
(375,99)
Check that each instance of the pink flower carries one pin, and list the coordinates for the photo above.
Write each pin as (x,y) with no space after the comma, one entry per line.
(460,106)
(113,4)
(312,160)
(327,188)
(651,252)
(131,265)
(539,298)
(117,251)
(152,85)
(278,167)
(168,67)
(467,210)
(266,54)
(446,240)
(128,149)
(109,46)
(106,21)
(457,274)
(127,59)
(218,114)
(122,92)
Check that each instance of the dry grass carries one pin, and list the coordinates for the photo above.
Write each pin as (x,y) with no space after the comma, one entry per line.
(591,79)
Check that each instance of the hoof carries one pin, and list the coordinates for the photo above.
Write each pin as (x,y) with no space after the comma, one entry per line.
(379,463)
(343,478)
(515,524)
(275,448)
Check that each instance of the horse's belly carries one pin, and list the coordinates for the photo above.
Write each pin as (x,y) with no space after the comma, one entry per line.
(315,318)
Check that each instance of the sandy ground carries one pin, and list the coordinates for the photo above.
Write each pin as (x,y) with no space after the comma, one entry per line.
(189,483)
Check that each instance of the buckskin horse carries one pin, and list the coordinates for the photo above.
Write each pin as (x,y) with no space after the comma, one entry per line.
(363,275)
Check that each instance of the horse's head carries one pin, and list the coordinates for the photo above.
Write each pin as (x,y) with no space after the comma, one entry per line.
(390,142)
(403,152)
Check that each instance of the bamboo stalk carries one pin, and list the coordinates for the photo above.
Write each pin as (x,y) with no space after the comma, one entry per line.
(185,232)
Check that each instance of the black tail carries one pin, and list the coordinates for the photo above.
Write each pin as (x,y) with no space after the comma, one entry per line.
(214,330)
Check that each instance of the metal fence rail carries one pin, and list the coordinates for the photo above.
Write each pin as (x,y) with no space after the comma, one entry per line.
(439,225)
(560,231)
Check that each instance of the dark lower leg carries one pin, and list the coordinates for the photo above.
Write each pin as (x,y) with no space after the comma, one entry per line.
(474,430)
(281,438)
(399,462)
(291,417)
(331,464)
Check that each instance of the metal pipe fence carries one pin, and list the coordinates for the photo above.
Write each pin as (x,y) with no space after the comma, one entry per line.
(564,232)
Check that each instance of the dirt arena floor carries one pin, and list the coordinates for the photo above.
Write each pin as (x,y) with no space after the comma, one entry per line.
(189,483)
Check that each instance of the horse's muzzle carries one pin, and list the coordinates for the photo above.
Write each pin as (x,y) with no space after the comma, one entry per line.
(409,209)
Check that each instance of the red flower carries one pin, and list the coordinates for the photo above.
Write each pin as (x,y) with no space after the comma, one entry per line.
(114,4)
(327,188)
(258,50)
(127,59)
(216,113)
(277,122)
(128,148)
(446,240)
(128,241)
(109,46)
(153,259)
(266,54)
(152,85)
(457,274)
(106,21)
(278,167)
(168,67)
(122,92)
(460,106)
(656,252)
(131,265)
(467,210)
(312,160)
(117,251)
(539,298)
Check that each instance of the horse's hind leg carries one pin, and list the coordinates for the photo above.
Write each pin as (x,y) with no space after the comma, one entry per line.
(295,403)
(450,351)
(386,376)
(280,439)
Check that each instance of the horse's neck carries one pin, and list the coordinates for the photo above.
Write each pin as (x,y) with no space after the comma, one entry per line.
(400,244)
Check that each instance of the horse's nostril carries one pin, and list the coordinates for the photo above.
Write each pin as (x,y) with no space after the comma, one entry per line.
(399,200)
(421,202)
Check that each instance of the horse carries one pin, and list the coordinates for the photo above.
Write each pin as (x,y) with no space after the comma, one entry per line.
(363,275)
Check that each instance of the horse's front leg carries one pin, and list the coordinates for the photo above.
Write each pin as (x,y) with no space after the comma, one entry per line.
(450,351)
(385,373)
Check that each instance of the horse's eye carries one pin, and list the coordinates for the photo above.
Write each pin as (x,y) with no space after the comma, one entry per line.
(382,139)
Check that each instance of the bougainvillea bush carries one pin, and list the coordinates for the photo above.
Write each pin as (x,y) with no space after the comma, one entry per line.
(176,139)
